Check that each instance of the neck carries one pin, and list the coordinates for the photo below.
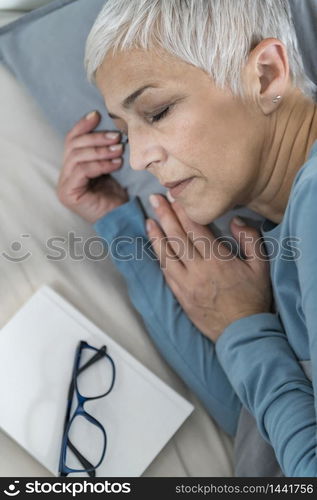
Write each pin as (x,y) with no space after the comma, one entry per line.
(292,130)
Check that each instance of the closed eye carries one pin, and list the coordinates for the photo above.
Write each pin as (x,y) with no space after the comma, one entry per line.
(155,118)
(161,115)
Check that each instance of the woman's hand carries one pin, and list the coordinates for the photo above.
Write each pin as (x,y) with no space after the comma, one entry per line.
(85,185)
(213,286)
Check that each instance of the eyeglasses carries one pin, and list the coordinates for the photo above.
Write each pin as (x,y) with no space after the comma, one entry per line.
(93,378)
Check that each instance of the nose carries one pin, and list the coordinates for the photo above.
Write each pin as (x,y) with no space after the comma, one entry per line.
(145,148)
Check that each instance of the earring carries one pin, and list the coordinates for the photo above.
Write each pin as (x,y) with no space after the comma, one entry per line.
(276,99)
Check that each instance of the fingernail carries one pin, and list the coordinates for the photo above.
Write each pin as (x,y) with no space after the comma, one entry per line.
(154,201)
(112,135)
(116,160)
(149,225)
(170,197)
(115,147)
(238,221)
(91,115)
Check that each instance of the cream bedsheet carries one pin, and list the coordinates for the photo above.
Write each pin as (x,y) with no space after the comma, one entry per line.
(30,213)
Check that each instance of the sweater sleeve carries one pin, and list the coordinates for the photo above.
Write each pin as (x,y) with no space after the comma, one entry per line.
(262,366)
(189,353)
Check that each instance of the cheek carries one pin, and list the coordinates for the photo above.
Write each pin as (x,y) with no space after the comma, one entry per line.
(199,145)
(214,154)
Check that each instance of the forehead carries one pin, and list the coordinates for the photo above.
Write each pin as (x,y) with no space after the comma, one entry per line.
(123,73)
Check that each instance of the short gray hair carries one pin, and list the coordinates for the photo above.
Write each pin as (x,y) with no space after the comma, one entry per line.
(214,35)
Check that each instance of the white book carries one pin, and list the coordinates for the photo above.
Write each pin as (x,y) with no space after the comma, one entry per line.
(37,349)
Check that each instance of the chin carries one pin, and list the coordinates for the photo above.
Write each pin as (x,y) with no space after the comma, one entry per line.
(205,213)
(198,214)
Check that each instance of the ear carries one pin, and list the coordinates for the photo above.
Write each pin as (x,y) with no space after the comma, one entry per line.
(266,74)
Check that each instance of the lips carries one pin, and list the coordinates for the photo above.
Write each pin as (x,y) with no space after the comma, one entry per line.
(175,188)
(175,183)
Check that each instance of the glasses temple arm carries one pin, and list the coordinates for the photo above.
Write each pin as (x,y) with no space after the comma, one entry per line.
(100,354)
(84,462)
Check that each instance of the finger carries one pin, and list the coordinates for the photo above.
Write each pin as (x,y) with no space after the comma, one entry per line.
(174,284)
(84,172)
(250,241)
(92,154)
(201,236)
(172,228)
(84,125)
(91,170)
(91,139)
(169,261)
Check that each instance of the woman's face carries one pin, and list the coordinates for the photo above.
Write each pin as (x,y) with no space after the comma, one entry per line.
(180,126)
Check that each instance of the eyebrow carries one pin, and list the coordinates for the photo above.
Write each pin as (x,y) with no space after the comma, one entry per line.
(128,101)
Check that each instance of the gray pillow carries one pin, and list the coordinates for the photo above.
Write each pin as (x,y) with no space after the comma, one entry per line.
(305,20)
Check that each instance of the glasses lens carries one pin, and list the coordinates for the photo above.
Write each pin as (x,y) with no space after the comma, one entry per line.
(87,440)
(96,379)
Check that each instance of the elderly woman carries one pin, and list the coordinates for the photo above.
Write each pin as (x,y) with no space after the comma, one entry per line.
(216,104)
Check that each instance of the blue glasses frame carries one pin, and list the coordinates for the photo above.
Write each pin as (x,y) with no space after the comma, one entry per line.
(89,468)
